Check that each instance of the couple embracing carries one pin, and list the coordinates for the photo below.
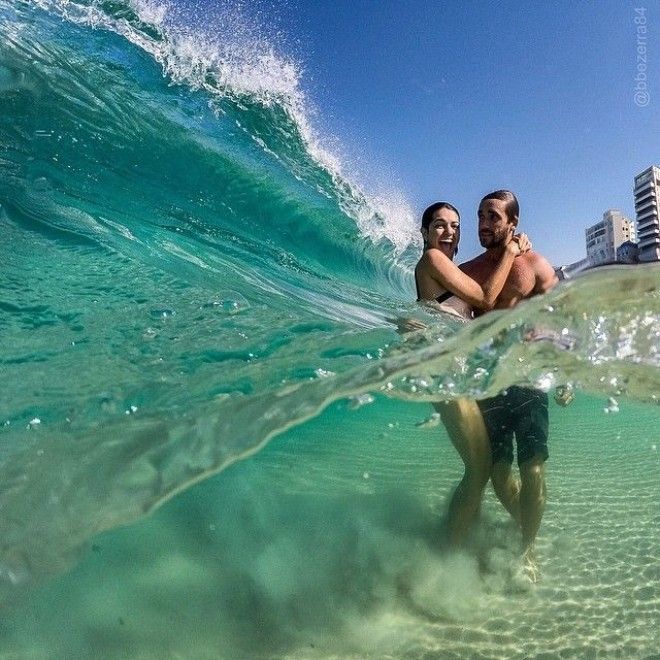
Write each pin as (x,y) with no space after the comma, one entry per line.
(482,432)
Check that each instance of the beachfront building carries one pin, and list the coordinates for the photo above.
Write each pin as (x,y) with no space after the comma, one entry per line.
(647,208)
(628,253)
(605,237)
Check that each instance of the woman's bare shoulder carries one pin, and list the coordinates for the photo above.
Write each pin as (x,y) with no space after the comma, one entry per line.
(436,257)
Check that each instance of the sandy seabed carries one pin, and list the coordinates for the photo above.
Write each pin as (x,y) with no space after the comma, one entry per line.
(326,545)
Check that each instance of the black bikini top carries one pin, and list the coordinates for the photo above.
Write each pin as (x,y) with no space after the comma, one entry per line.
(441,298)
(444,296)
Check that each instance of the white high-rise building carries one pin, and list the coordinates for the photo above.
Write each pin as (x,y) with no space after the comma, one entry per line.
(606,236)
(647,208)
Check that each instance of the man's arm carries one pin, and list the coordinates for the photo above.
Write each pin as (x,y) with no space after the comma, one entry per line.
(546,277)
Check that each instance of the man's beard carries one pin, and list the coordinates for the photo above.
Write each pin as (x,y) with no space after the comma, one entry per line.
(492,240)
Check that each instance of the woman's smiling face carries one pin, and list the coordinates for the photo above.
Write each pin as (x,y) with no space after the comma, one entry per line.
(444,232)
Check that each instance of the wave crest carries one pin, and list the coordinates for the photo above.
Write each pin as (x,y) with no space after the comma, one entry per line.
(240,64)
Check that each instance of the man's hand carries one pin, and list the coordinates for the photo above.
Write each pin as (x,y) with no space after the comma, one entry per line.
(564,395)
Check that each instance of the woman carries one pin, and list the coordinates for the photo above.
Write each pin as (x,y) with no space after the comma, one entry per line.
(439,279)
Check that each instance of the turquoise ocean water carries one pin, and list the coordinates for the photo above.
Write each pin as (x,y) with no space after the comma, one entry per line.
(210,441)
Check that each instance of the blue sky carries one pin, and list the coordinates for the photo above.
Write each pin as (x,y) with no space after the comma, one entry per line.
(454,99)
(450,99)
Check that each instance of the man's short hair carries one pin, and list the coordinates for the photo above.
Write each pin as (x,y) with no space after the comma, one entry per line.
(427,216)
(512,207)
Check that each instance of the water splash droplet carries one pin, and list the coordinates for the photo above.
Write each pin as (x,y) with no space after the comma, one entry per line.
(359,400)
(229,302)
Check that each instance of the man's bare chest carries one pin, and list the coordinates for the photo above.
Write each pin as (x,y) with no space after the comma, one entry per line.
(520,282)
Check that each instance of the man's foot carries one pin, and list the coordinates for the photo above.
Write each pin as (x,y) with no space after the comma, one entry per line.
(526,573)
(530,566)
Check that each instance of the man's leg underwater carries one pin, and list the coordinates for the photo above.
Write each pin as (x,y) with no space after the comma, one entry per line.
(466,429)
(507,488)
(532,429)
(532,499)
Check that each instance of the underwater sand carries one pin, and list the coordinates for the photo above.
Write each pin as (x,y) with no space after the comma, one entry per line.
(324,545)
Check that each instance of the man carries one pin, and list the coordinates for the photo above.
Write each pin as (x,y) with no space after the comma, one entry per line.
(519,411)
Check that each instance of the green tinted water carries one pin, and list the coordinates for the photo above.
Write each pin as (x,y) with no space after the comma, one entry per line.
(325,545)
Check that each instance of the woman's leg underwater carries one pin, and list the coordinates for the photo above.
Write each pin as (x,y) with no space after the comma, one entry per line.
(507,488)
(467,431)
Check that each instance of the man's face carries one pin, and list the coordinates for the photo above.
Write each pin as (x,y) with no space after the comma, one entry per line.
(443,232)
(494,225)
